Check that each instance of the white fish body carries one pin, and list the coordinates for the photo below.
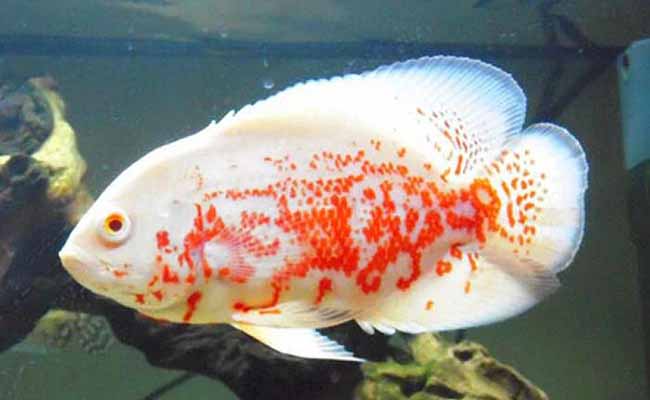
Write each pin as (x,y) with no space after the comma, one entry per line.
(404,198)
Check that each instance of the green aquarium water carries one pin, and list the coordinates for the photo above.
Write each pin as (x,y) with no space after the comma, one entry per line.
(87,87)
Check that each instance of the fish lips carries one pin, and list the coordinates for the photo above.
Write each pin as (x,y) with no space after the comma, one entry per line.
(86,269)
(98,276)
(76,260)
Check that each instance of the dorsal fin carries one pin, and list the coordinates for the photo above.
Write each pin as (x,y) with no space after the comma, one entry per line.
(458,110)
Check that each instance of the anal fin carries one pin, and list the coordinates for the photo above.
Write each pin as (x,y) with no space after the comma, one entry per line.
(299,342)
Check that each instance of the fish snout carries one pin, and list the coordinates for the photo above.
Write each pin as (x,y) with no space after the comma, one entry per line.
(74,259)
(85,269)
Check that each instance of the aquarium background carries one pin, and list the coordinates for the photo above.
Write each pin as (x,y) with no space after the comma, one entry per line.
(127,97)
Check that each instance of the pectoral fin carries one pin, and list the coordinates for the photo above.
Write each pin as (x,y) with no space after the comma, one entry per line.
(299,342)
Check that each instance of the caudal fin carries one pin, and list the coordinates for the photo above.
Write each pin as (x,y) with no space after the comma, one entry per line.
(541,177)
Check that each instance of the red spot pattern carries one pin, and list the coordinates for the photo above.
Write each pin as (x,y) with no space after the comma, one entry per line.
(153,281)
(324,286)
(274,311)
(162,239)
(120,273)
(192,302)
(472,262)
(455,251)
(523,190)
(169,276)
(443,267)
(317,215)
(445,175)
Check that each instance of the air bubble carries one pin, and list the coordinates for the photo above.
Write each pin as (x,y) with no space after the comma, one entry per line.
(268,83)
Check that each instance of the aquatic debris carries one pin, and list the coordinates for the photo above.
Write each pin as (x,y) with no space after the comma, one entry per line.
(267,83)
(41,196)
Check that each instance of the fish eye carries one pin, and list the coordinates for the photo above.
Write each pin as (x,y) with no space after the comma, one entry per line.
(114,227)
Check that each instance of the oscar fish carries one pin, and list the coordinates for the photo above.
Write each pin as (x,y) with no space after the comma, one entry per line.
(407,198)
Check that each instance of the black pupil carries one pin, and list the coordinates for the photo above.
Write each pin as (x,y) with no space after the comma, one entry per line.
(115,224)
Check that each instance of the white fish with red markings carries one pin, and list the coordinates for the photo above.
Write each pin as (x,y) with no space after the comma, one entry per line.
(406,198)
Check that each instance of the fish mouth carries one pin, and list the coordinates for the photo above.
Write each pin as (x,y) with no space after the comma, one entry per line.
(97,276)
(84,268)
(74,259)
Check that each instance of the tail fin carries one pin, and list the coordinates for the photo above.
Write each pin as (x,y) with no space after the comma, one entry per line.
(542,177)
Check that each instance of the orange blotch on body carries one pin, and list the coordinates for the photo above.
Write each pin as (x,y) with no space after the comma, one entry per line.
(158,294)
(445,174)
(443,267)
(324,287)
(192,303)
(169,276)
(459,165)
(455,251)
(153,281)
(162,239)
(511,216)
(120,273)
(472,262)
(274,311)
(369,193)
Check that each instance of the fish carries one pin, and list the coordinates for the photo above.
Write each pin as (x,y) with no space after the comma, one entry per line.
(406,198)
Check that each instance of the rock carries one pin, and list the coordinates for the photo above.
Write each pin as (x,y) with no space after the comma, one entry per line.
(441,370)
(25,119)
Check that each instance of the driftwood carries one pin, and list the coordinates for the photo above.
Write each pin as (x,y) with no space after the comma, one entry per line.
(42,196)
(40,176)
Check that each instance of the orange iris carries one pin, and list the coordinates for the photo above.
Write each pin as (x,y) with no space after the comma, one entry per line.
(114,223)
